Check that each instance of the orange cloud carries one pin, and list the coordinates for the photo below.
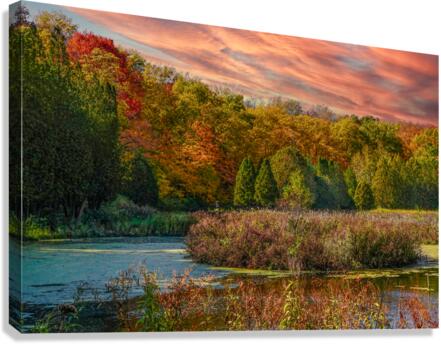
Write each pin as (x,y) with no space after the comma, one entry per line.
(394,85)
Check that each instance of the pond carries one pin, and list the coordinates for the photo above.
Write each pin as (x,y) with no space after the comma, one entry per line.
(53,270)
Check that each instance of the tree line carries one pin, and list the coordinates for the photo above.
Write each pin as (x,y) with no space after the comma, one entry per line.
(383,180)
(99,120)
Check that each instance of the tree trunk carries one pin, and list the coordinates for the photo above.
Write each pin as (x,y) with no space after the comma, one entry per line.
(80,213)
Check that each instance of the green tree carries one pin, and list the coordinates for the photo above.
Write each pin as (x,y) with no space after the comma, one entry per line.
(347,135)
(284,162)
(56,150)
(422,170)
(364,163)
(380,135)
(350,181)
(141,185)
(244,186)
(324,198)
(387,185)
(297,193)
(265,193)
(363,198)
(99,101)
(332,192)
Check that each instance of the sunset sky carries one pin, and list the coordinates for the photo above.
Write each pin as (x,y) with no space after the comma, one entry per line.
(393,85)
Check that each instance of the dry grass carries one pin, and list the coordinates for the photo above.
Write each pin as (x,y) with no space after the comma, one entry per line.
(314,240)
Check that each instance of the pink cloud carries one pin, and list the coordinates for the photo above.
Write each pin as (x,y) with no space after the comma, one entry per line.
(394,85)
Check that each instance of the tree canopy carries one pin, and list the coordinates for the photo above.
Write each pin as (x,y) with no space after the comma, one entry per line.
(94,111)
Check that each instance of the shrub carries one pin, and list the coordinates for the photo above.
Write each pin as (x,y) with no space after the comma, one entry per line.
(121,208)
(376,248)
(308,240)
(33,228)
(121,217)
(165,223)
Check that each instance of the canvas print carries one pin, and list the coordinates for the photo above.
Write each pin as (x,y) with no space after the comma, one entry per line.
(171,176)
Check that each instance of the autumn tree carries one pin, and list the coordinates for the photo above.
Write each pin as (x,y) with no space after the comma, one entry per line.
(290,106)
(100,58)
(380,135)
(71,142)
(89,102)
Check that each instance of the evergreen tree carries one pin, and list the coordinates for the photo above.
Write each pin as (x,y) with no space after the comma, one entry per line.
(350,181)
(332,191)
(265,193)
(324,198)
(57,161)
(99,100)
(363,197)
(244,186)
(422,178)
(387,185)
(141,186)
(422,170)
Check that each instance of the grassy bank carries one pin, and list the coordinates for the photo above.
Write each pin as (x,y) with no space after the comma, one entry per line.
(314,240)
(118,218)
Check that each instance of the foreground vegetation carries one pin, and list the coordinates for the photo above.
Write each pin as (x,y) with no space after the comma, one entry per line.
(314,240)
(250,304)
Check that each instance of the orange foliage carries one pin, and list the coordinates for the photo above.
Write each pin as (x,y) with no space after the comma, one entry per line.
(88,50)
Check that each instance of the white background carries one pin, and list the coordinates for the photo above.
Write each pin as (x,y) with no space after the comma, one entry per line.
(412,25)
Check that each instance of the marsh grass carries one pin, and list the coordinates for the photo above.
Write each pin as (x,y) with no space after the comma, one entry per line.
(206,304)
(188,304)
(313,240)
(69,317)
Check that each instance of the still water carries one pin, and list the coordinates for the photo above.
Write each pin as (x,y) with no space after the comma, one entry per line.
(53,270)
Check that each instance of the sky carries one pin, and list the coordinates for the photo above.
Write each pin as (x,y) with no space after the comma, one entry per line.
(350,79)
